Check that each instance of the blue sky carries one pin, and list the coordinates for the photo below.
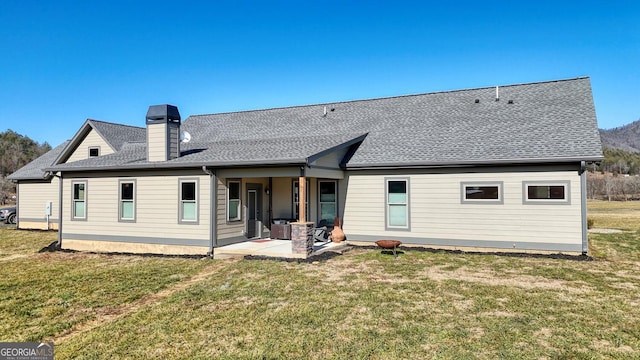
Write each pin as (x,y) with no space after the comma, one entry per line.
(65,61)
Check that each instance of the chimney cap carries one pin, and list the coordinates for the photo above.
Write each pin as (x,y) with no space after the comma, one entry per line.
(163,113)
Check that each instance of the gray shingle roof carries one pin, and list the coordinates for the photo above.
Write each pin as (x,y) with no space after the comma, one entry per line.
(117,134)
(538,122)
(35,169)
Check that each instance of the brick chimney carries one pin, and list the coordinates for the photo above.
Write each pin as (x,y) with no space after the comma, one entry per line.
(163,133)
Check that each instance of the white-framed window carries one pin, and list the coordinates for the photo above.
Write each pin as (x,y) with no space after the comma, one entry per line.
(397,203)
(234,210)
(546,192)
(127,200)
(79,200)
(94,151)
(296,200)
(188,201)
(327,200)
(481,192)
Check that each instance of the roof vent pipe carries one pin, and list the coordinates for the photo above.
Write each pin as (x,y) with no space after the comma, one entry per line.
(324,114)
(497,94)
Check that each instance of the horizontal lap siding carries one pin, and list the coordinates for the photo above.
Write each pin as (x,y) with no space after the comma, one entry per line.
(436,211)
(226,230)
(33,197)
(156,208)
(282,200)
(157,142)
(91,140)
(233,229)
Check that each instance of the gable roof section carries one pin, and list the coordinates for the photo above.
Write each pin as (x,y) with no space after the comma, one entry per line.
(529,123)
(116,135)
(35,169)
(544,122)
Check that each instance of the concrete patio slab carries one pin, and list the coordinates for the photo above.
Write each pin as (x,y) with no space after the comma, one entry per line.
(272,248)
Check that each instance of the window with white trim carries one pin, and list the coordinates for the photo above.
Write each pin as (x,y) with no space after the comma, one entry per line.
(397,203)
(127,209)
(546,192)
(482,192)
(188,201)
(79,207)
(328,200)
(234,212)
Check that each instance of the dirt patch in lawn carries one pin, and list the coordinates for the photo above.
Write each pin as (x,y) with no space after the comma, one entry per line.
(13,257)
(107,315)
(340,271)
(438,273)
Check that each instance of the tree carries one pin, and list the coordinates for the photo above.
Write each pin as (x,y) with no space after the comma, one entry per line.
(15,152)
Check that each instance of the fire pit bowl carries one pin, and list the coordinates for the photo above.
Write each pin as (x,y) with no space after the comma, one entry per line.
(389,244)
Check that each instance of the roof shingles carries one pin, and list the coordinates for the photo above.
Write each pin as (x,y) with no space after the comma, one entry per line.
(546,121)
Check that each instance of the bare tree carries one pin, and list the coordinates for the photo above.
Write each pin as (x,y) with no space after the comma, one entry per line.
(6,189)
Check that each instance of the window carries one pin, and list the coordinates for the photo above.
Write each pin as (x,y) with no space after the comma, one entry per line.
(296,200)
(79,206)
(397,204)
(328,200)
(94,151)
(188,201)
(233,201)
(127,210)
(546,192)
(482,192)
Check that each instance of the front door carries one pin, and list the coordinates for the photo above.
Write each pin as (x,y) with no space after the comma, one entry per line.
(254,210)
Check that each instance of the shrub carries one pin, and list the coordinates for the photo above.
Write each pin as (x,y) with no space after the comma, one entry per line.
(589,223)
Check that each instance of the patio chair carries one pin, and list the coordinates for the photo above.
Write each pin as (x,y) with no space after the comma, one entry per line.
(320,233)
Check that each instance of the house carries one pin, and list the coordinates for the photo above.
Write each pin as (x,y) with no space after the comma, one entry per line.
(500,167)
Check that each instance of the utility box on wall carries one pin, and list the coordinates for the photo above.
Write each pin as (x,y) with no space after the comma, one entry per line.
(48,208)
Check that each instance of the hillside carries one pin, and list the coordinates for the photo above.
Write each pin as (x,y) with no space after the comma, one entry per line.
(18,150)
(625,137)
(15,152)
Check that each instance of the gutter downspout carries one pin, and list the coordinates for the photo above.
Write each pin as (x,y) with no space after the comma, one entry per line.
(213,180)
(17,204)
(583,206)
(59,245)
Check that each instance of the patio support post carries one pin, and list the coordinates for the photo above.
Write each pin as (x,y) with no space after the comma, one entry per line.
(302,195)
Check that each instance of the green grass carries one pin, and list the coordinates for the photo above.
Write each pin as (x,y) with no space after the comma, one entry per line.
(362,305)
(615,214)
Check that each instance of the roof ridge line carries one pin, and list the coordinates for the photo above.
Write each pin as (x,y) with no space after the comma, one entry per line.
(113,123)
(386,97)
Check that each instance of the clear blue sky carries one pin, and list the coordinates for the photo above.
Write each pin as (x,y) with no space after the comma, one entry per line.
(65,61)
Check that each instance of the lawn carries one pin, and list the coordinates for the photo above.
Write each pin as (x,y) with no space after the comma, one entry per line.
(363,304)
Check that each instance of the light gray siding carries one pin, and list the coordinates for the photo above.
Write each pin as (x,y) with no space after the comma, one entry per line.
(437,215)
(332,160)
(157,207)
(157,142)
(235,229)
(33,197)
(93,139)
